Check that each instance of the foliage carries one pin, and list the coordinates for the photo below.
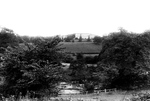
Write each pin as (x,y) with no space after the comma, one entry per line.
(89,39)
(35,69)
(80,38)
(68,58)
(7,38)
(26,39)
(69,38)
(91,59)
(124,60)
(79,56)
(77,71)
(97,39)
(36,39)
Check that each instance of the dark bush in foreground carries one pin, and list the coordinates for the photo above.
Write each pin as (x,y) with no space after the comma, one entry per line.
(124,60)
(33,69)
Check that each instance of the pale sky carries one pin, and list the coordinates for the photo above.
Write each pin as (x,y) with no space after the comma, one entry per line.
(60,17)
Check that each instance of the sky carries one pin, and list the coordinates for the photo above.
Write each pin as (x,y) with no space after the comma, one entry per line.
(61,17)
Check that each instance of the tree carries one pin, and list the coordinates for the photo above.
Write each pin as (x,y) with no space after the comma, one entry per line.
(89,39)
(80,38)
(19,38)
(35,69)
(97,39)
(68,58)
(78,71)
(36,40)
(91,59)
(26,39)
(69,38)
(123,60)
(8,38)
(80,56)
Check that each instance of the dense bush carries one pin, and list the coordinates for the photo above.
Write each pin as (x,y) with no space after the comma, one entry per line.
(8,38)
(97,39)
(35,68)
(124,60)
(91,59)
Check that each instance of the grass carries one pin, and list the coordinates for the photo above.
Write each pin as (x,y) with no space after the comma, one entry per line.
(114,96)
(81,97)
(97,97)
(81,47)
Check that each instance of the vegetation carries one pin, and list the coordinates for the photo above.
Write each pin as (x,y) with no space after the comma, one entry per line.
(7,38)
(33,64)
(35,69)
(89,39)
(80,73)
(69,38)
(91,60)
(97,40)
(123,60)
(80,38)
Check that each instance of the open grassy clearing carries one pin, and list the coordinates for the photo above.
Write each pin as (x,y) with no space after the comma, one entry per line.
(113,96)
(81,47)
(116,96)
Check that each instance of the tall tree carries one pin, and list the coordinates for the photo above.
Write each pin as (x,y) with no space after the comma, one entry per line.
(8,38)
(89,39)
(80,38)
(97,39)
(123,60)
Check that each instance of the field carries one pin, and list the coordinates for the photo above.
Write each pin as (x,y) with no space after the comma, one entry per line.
(81,47)
(113,96)
(95,97)
(109,96)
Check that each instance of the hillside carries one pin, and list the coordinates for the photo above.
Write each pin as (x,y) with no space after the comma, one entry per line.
(81,47)
(84,35)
